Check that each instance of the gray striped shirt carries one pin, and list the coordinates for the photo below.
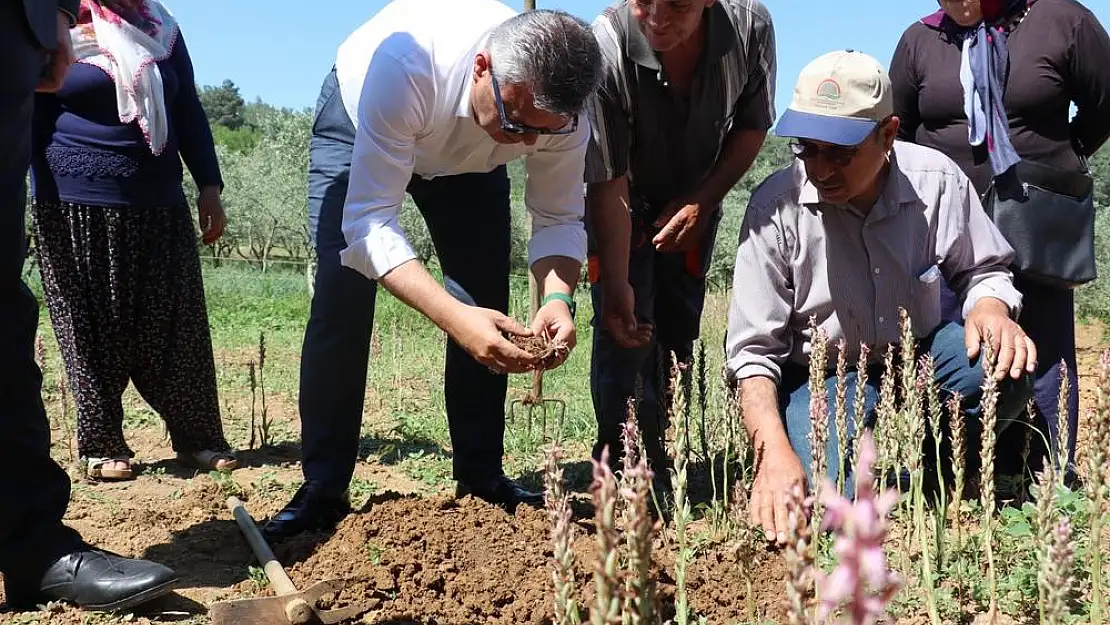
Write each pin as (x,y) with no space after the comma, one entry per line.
(799,257)
(665,142)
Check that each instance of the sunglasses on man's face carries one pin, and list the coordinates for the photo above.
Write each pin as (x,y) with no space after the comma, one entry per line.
(517,128)
(838,156)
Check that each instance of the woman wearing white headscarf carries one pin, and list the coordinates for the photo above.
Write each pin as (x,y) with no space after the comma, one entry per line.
(115,238)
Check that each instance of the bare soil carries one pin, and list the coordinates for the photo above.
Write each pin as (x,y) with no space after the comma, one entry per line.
(1090,342)
(441,560)
(404,558)
(407,556)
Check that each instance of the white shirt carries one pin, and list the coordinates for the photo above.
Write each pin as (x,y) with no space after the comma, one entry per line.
(405,78)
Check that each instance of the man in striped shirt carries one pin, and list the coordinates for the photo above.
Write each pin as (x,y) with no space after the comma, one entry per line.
(858,228)
(686,99)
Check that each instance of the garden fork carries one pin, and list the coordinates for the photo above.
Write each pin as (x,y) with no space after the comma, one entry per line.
(534,400)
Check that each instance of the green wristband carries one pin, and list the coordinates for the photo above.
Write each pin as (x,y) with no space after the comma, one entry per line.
(563,297)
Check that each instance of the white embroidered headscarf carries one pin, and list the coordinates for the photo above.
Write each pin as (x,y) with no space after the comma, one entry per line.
(127,39)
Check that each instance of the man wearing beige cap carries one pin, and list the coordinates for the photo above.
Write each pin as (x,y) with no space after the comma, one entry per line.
(858,227)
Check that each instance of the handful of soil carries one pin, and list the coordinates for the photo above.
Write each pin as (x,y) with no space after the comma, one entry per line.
(548,351)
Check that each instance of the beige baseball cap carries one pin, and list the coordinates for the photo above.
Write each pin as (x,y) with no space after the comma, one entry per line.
(839,98)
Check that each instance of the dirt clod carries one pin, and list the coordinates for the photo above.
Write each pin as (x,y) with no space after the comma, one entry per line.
(547,350)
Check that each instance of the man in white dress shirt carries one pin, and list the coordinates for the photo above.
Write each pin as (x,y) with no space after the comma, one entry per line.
(433,98)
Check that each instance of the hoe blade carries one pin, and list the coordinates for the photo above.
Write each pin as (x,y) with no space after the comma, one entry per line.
(256,611)
(271,610)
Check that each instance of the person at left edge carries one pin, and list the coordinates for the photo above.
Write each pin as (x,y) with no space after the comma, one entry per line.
(433,98)
(42,560)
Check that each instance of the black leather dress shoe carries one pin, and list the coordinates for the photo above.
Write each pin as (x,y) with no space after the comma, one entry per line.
(501,492)
(311,509)
(94,580)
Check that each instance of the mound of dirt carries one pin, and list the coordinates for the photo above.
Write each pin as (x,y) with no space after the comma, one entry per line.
(445,561)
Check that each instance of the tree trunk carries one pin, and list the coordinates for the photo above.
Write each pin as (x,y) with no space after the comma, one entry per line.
(271,238)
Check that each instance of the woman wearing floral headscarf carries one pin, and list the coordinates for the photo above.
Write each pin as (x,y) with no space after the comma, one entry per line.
(115,238)
(990,83)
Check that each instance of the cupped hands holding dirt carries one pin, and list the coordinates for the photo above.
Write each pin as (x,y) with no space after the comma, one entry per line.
(507,346)
(488,335)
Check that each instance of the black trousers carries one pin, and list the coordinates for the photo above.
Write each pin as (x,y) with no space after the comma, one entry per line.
(670,293)
(34,492)
(469,222)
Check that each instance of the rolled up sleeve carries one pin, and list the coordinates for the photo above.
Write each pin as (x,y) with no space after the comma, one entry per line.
(391,113)
(554,196)
(976,257)
(758,340)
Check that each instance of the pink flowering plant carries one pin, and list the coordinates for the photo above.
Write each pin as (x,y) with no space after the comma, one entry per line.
(1054,546)
(860,581)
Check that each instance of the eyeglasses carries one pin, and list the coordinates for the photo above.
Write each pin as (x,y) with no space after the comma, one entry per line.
(673,6)
(517,128)
(836,155)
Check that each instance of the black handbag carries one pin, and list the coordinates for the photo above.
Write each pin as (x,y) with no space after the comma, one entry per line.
(1048,217)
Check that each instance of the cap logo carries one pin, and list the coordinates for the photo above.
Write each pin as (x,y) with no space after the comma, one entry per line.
(828,89)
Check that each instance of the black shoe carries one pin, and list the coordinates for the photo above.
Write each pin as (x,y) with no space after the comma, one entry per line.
(501,491)
(310,510)
(94,580)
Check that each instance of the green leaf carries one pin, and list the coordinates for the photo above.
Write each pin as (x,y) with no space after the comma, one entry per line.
(1071,501)
(1020,529)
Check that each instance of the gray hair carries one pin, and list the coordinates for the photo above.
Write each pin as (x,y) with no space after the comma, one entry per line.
(552,53)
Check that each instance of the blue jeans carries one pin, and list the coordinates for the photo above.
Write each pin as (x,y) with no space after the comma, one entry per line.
(336,350)
(954,374)
(1048,317)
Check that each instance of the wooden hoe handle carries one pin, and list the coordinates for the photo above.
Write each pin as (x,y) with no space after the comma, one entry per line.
(297,610)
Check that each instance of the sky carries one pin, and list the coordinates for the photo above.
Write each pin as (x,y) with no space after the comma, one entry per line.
(280,50)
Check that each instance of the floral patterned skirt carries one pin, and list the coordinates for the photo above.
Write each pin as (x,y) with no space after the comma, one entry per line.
(124,292)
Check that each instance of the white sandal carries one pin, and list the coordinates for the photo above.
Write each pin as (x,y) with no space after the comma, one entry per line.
(94,469)
(223,461)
